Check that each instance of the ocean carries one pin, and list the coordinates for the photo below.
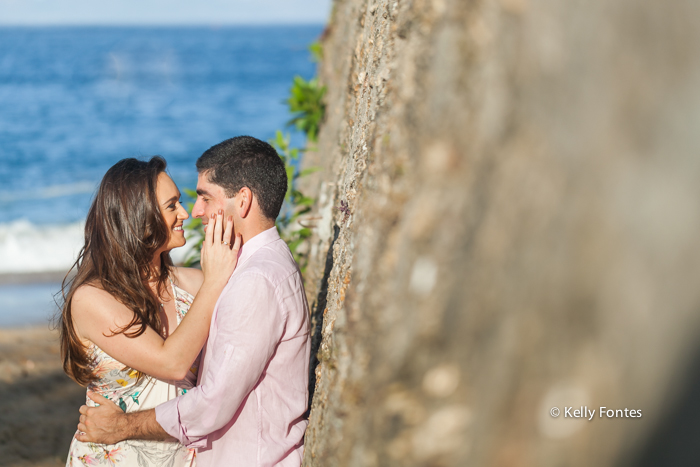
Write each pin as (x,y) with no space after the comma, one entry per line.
(75,100)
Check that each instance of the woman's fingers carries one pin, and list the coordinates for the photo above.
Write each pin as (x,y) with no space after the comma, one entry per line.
(219,226)
(219,257)
(207,242)
(209,232)
(228,232)
(237,243)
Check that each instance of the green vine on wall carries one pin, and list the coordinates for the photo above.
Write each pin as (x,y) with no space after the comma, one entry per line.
(306,103)
(296,204)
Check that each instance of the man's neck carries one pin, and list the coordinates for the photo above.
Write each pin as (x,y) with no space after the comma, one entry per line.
(252,230)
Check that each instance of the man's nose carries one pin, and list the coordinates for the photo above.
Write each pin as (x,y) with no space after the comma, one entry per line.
(198,209)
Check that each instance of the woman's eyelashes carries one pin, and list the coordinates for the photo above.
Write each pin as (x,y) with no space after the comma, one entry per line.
(173,206)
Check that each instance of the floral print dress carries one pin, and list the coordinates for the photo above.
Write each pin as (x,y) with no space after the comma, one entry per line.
(122,386)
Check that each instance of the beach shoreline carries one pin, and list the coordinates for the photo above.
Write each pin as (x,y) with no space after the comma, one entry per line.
(29,299)
(26,278)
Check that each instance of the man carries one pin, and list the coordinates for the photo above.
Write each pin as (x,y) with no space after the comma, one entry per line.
(249,406)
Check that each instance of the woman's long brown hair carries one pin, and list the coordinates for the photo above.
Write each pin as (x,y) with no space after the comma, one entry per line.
(123,231)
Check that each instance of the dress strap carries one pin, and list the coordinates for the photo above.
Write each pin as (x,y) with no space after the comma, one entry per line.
(174,288)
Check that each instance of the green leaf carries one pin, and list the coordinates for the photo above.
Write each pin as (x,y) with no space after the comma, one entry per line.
(306,103)
(309,171)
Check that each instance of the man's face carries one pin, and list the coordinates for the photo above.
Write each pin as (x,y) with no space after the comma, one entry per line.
(210,198)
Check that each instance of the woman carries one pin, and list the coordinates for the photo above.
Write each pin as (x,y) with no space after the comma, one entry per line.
(127,298)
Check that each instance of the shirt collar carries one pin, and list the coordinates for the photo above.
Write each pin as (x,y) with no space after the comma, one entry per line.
(255,243)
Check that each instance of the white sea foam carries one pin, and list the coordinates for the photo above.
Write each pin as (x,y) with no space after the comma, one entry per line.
(26,247)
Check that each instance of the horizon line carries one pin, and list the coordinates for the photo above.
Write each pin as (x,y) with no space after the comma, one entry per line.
(174,24)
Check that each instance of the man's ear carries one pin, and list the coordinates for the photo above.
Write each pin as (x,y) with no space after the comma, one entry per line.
(244,201)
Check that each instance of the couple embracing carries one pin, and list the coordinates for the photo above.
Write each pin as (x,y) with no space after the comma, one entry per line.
(184,366)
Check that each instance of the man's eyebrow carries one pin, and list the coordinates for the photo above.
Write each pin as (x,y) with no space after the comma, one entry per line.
(201,192)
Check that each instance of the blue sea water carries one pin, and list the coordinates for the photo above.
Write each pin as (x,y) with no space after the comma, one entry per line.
(74,100)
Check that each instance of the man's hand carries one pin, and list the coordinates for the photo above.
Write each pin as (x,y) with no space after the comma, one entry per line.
(107,424)
(101,424)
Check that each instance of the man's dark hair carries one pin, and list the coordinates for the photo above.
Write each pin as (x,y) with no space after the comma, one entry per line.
(245,161)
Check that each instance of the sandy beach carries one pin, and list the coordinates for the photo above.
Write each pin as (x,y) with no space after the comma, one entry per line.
(38,402)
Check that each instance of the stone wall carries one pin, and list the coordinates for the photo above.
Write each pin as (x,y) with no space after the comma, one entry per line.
(507,222)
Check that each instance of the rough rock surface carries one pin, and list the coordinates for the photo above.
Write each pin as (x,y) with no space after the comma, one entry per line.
(507,222)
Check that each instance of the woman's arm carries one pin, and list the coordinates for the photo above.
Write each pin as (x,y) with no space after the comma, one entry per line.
(96,315)
(189,280)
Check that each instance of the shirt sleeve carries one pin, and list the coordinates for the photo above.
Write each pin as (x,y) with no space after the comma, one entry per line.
(249,325)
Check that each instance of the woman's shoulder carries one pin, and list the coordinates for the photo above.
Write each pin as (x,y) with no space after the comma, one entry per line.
(93,300)
(90,294)
(188,279)
(95,311)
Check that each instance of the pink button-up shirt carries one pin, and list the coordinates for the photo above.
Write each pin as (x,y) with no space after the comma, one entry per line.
(249,406)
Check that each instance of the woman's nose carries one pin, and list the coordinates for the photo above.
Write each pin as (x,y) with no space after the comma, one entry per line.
(183,214)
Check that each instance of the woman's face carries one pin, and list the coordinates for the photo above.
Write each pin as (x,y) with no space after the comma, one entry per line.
(173,213)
